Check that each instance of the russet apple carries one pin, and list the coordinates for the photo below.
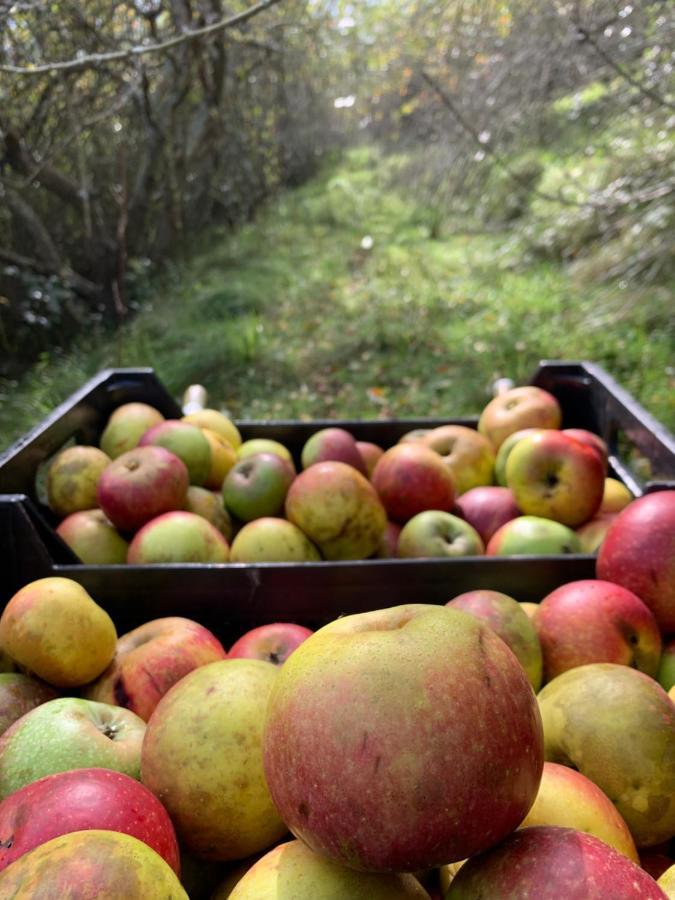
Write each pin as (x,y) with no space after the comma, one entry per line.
(438,534)
(401,739)
(273,643)
(639,553)
(82,799)
(216,421)
(126,426)
(19,694)
(468,454)
(178,537)
(338,509)
(551,863)
(91,863)
(57,631)
(557,477)
(411,478)
(72,479)
(504,615)
(93,538)
(69,733)
(532,535)
(617,726)
(571,800)
(521,407)
(202,758)
(269,539)
(151,659)
(142,484)
(257,485)
(593,621)
(292,869)
(487,509)
(187,442)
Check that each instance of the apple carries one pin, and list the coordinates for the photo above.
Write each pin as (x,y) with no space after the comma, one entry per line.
(209,505)
(272,540)
(82,799)
(140,485)
(202,758)
(411,478)
(334,444)
(151,659)
(591,440)
(292,869)
(54,628)
(69,733)
(273,643)
(639,554)
(91,863)
(593,621)
(592,533)
(223,457)
(72,479)
(438,534)
(617,727)
(667,882)
(19,694)
(468,454)
(388,548)
(518,408)
(126,426)
(264,445)
(528,608)
(504,615)
(367,736)
(416,434)
(370,453)
(93,538)
(569,799)
(532,535)
(555,476)
(338,509)
(187,442)
(487,509)
(666,673)
(257,485)
(216,421)
(551,863)
(504,451)
(616,497)
(178,537)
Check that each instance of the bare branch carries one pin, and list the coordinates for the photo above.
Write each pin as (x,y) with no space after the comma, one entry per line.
(96,59)
(79,284)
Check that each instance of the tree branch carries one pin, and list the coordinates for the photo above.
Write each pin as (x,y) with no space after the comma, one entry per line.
(96,59)
(79,284)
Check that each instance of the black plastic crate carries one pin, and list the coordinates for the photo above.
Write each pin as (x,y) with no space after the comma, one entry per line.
(232,597)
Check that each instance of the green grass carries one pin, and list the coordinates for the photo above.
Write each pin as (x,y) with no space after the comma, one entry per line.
(292,317)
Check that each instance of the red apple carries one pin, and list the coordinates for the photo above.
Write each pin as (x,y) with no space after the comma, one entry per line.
(555,476)
(151,659)
(18,695)
(367,733)
(370,453)
(469,455)
(334,444)
(487,509)
(188,442)
(274,643)
(93,538)
(178,537)
(140,485)
(521,407)
(551,863)
(593,622)
(591,440)
(82,799)
(388,548)
(411,478)
(639,554)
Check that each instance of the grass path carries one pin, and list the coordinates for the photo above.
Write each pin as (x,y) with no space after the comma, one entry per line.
(296,315)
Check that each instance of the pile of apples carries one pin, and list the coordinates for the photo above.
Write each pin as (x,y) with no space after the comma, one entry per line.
(189,490)
(481,748)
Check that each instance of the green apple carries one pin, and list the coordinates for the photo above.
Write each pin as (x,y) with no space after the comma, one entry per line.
(434,533)
(202,757)
(187,442)
(264,445)
(93,538)
(666,673)
(272,540)
(178,537)
(293,870)
(617,726)
(532,535)
(56,630)
(216,421)
(257,485)
(69,733)
(504,451)
(72,479)
(126,426)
